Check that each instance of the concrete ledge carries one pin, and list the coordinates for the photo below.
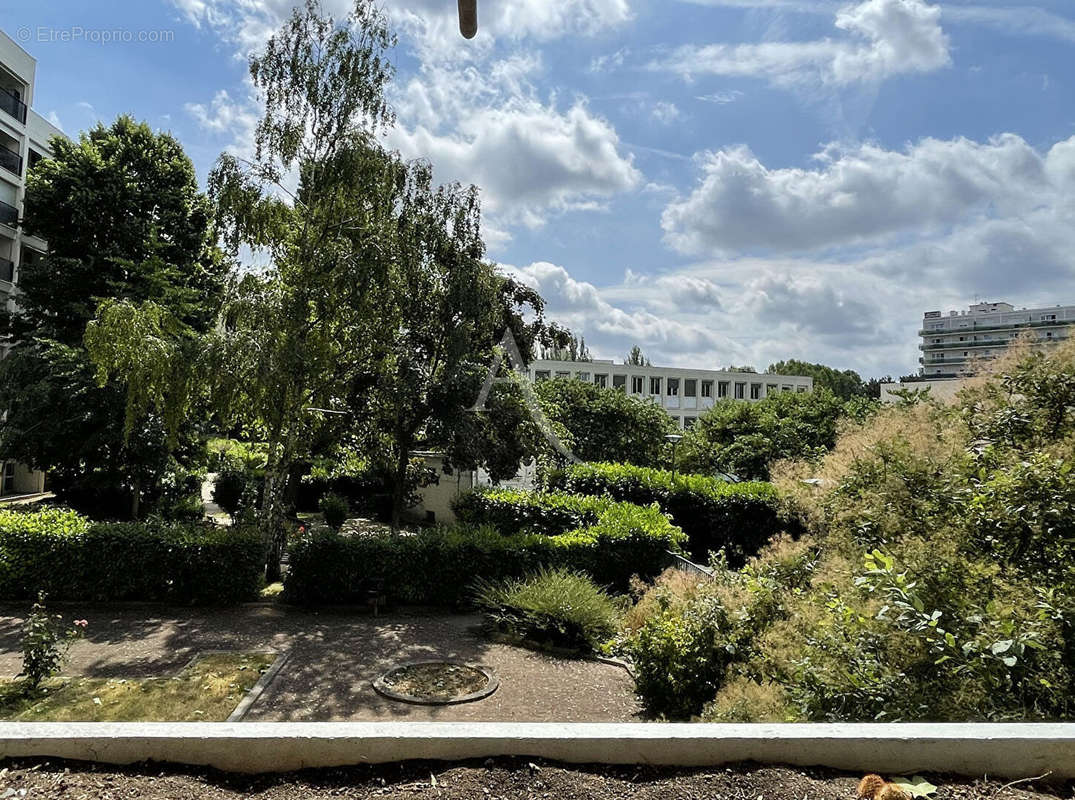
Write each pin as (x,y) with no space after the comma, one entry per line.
(1002,750)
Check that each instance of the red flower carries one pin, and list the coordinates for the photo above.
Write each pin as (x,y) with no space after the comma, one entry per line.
(81,623)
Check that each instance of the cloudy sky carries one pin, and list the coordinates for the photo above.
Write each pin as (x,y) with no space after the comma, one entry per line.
(718,181)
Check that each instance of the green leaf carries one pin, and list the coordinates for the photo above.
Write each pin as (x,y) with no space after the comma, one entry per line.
(916,786)
(1002,646)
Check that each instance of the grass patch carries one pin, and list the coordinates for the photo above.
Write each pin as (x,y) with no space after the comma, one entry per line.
(207,691)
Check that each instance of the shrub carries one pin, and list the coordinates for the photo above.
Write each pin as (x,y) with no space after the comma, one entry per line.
(516,511)
(736,517)
(437,565)
(45,642)
(230,485)
(335,509)
(70,558)
(555,607)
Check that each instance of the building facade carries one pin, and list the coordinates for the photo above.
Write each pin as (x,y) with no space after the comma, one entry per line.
(24,140)
(956,345)
(684,393)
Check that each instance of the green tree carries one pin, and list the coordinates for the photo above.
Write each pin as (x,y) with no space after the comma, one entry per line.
(303,336)
(636,358)
(743,439)
(605,424)
(121,211)
(444,313)
(845,384)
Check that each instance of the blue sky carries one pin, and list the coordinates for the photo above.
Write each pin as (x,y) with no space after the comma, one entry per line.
(718,181)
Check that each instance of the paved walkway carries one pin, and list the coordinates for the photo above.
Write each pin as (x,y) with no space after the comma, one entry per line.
(334,658)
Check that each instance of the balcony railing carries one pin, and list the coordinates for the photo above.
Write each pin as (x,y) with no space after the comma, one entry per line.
(7,270)
(10,160)
(12,105)
(1038,323)
(9,215)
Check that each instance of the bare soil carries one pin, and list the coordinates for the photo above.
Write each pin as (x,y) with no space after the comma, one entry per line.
(507,779)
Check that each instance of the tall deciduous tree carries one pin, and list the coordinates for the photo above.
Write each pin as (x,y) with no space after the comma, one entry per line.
(123,217)
(845,384)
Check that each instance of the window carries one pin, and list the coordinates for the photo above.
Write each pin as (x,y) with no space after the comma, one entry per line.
(800,389)
(755,391)
(542,375)
(785,388)
(563,374)
(654,385)
(673,387)
(33,158)
(619,382)
(770,388)
(637,383)
(583,376)
(601,380)
(707,388)
(722,389)
(740,391)
(690,387)
(688,422)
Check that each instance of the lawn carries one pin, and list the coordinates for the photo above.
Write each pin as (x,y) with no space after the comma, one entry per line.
(206,691)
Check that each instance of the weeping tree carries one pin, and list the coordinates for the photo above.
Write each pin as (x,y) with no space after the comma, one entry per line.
(318,197)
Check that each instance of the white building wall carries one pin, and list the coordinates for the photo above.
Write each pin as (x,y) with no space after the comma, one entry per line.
(24,136)
(684,393)
(957,343)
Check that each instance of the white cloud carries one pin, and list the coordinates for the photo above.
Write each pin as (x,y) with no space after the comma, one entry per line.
(666,113)
(886,38)
(863,194)
(721,98)
(529,159)
(225,116)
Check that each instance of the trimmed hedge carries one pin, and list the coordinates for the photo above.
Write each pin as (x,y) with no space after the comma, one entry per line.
(70,558)
(439,566)
(740,517)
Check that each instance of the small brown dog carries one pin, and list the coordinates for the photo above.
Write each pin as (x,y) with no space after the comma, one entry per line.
(874,787)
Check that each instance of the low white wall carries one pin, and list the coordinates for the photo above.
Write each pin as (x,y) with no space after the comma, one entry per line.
(1003,750)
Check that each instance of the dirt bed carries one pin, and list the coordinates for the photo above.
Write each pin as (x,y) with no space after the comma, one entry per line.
(489,780)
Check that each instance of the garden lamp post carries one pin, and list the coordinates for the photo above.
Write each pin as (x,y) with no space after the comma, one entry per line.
(673,439)
(468,18)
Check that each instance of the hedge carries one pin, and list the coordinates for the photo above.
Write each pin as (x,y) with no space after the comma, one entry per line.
(70,558)
(440,565)
(739,517)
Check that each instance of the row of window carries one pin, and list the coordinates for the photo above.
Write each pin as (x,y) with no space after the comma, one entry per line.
(672,386)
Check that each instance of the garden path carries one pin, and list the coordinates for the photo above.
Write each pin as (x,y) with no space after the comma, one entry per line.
(335,655)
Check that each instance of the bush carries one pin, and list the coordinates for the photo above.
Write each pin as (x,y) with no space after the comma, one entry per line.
(230,486)
(516,511)
(437,565)
(736,517)
(335,509)
(46,638)
(555,607)
(69,558)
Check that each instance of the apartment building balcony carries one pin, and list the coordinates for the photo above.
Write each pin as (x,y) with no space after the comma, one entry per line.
(9,215)
(967,345)
(12,105)
(1044,323)
(10,160)
(7,270)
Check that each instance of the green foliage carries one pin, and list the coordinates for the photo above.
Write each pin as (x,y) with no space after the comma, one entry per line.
(232,486)
(941,583)
(744,439)
(46,639)
(554,607)
(69,558)
(605,424)
(124,219)
(336,510)
(438,565)
(738,518)
(844,384)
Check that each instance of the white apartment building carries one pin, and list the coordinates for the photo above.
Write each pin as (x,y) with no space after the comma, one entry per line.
(684,393)
(954,345)
(24,138)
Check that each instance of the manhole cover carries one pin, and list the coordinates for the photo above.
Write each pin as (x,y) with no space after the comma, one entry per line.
(436,683)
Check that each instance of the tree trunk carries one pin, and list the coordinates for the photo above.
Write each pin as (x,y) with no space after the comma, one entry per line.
(136,498)
(399,484)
